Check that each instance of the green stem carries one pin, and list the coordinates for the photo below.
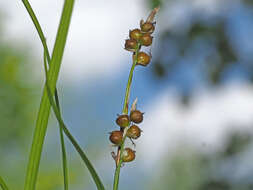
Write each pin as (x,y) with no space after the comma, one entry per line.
(128,87)
(3,184)
(56,108)
(37,26)
(125,111)
(46,51)
(57,113)
(44,111)
(85,159)
(63,149)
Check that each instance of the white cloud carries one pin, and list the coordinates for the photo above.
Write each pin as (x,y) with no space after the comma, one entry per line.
(204,124)
(96,38)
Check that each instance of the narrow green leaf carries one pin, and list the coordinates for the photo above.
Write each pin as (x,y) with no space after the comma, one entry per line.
(37,26)
(63,149)
(3,184)
(43,40)
(44,111)
(82,154)
(64,161)
(57,113)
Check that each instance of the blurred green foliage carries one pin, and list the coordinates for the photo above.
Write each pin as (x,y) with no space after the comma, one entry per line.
(191,169)
(16,94)
(248,2)
(214,64)
(19,98)
(236,144)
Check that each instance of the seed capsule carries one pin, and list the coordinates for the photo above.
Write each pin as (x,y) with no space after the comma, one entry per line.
(147,27)
(143,59)
(136,116)
(131,44)
(128,155)
(135,34)
(146,39)
(116,137)
(134,132)
(123,120)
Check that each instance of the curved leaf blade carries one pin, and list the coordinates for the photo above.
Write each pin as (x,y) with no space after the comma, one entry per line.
(44,111)
(57,113)
(3,184)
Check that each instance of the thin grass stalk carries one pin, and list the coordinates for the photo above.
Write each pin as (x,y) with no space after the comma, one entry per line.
(42,37)
(44,111)
(63,149)
(43,41)
(57,113)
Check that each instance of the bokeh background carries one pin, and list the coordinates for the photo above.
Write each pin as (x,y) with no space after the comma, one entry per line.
(197,93)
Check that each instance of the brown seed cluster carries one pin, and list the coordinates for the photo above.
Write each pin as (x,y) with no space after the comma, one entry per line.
(133,132)
(141,37)
(138,37)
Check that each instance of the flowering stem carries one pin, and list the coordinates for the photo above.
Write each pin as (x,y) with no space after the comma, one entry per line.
(125,111)
(129,82)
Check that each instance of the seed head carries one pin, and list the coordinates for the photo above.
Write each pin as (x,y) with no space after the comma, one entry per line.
(131,44)
(146,39)
(116,137)
(147,27)
(134,132)
(136,116)
(123,120)
(128,155)
(143,59)
(135,34)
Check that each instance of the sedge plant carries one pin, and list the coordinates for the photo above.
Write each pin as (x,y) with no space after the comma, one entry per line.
(128,121)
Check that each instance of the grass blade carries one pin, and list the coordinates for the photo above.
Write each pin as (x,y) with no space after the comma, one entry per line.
(63,149)
(57,113)
(64,161)
(37,26)
(44,111)
(3,184)
(78,148)
(43,41)
(91,169)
